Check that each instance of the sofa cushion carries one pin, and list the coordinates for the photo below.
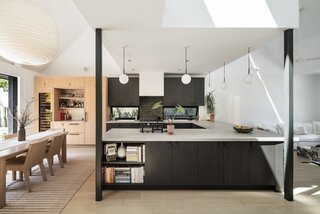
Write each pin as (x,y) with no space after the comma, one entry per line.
(309,138)
(308,127)
(298,129)
(316,127)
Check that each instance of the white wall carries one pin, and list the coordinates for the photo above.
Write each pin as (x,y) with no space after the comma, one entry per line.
(25,83)
(263,100)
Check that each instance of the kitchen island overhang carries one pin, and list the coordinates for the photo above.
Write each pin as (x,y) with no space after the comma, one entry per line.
(213,158)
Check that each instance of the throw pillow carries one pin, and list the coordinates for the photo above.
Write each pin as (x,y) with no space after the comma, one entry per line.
(308,127)
(316,127)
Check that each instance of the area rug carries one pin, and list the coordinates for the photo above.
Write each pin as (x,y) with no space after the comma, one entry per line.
(51,196)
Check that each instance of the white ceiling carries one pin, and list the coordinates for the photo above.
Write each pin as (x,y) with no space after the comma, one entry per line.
(153,48)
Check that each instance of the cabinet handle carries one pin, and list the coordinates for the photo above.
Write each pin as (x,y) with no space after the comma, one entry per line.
(168,144)
(85,116)
(74,134)
(75,124)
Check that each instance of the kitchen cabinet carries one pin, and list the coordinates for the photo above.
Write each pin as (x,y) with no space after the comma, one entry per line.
(175,92)
(262,164)
(43,84)
(68,82)
(237,163)
(123,94)
(75,130)
(159,163)
(184,163)
(210,164)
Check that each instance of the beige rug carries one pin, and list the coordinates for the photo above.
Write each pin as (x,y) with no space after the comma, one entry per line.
(51,196)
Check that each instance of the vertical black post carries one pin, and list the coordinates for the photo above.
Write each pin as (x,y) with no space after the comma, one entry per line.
(288,136)
(13,103)
(98,113)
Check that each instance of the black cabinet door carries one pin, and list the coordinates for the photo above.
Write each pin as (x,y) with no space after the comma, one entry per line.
(158,163)
(198,92)
(113,91)
(262,164)
(184,163)
(210,165)
(173,92)
(123,94)
(237,164)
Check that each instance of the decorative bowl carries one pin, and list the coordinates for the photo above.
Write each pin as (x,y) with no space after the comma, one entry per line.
(243,129)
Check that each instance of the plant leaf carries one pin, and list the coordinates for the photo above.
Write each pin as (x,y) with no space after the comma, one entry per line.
(157,105)
(180,109)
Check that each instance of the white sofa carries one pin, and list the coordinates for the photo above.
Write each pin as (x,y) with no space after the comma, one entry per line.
(307,134)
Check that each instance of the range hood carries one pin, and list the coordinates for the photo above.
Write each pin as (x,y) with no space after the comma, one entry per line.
(151,84)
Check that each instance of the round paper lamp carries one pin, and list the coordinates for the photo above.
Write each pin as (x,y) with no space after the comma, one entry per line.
(28,35)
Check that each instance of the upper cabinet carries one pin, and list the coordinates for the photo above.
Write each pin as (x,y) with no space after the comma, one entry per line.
(68,82)
(175,92)
(43,84)
(123,94)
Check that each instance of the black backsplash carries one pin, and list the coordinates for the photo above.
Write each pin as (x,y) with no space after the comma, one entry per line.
(146,111)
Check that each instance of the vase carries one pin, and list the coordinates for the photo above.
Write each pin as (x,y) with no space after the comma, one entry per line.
(121,151)
(21,134)
(170,129)
(212,117)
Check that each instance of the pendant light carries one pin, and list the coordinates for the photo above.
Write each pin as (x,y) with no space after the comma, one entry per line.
(249,78)
(124,79)
(224,84)
(186,78)
(28,35)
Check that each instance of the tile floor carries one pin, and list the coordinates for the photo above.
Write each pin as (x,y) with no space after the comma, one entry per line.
(307,198)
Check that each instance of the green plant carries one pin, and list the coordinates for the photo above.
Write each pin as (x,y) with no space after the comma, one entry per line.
(179,109)
(210,102)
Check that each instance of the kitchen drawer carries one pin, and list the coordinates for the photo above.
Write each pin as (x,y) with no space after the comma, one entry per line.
(58,125)
(75,138)
(74,127)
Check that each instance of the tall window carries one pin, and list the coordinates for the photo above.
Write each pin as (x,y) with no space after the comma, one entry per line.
(8,103)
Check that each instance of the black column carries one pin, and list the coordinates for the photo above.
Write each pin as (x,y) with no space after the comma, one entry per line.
(98,113)
(288,136)
(13,103)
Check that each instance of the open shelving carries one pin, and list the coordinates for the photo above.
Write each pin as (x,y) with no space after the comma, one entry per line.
(122,172)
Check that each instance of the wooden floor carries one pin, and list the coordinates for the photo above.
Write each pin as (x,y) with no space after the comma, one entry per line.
(307,199)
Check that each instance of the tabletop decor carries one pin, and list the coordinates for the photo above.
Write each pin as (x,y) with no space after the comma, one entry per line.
(23,118)
(170,118)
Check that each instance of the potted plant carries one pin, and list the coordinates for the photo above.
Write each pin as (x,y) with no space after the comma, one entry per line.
(23,119)
(170,126)
(211,105)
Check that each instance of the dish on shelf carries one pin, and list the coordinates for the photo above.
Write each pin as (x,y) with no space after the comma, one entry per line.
(243,129)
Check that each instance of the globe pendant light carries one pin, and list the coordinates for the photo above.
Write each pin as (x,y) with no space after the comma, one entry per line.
(124,79)
(249,78)
(186,78)
(224,84)
(28,35)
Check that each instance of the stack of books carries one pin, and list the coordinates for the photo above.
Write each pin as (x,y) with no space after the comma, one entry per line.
(122,175)
(137,174)
(135,153)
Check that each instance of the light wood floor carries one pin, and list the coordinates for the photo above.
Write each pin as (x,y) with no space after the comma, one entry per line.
(307,198)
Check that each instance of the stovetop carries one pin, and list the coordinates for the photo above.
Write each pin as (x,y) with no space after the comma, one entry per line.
(151,126)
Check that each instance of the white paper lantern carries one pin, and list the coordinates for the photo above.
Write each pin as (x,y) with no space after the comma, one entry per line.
(28,35)
(186,79)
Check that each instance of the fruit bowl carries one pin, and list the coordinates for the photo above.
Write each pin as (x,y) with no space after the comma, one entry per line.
(243,129)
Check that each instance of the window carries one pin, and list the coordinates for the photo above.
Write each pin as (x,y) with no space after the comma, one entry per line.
(8,103)
(190,112)
(125,113)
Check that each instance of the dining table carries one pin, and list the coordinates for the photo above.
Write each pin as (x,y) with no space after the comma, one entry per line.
(12,147)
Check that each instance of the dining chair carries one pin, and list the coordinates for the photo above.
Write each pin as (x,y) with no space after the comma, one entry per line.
(34,156)
(55,149)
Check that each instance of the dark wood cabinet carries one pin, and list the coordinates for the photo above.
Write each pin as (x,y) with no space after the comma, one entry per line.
(237,164)
(184,163)
(175,92)
(158,163)
(123,94)
(262,164)
(210,165)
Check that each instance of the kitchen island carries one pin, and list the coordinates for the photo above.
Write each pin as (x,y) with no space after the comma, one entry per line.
(216,157)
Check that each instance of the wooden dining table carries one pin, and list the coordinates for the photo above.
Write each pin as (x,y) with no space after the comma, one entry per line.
(12,147)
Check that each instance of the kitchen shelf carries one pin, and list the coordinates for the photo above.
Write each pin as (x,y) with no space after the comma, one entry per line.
(71,98)
(122,162)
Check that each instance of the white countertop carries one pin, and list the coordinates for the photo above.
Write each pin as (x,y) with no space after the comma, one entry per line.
(216,131)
